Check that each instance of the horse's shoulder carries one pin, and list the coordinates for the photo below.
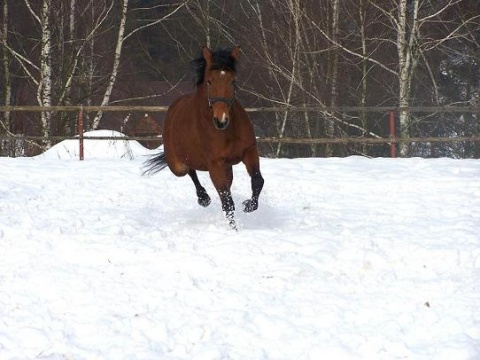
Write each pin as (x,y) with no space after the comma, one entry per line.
(242,115)
(180,105)
(240,111)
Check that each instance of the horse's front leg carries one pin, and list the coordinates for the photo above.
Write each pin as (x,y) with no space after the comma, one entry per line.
(203,198)
(251,204)
(228,207)
(252,163)
(222,177)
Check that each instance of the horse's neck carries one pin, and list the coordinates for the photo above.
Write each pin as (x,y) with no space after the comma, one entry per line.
(201,91)
(200,97)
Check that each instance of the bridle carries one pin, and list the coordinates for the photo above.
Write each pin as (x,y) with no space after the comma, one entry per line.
(214,99)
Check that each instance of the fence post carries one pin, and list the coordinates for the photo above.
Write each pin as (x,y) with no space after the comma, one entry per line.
(80,132)
(393,143)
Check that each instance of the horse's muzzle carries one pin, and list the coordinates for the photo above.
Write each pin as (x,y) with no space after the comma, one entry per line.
(221,124)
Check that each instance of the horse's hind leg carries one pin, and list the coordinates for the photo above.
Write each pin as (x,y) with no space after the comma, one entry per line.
(203,198)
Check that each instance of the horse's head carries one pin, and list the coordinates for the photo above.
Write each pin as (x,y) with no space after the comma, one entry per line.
(219,78)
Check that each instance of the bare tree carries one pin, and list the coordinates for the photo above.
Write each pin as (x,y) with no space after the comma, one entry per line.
(276,35)
(7,85)
(122,36)
(44,82)
(53,71)
(406,24)
(116,62)
(303,68)
(403,21)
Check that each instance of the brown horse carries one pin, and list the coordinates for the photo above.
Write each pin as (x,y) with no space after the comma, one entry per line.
(209,130)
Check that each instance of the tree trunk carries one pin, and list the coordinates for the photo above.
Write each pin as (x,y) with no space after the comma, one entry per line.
(295,13)
(407,39)
(6,147)
(116,64)
(363,83)
(7,87)
(333,66)
(45,83)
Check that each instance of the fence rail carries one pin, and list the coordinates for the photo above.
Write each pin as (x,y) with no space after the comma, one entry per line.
(284,140)
(133,108)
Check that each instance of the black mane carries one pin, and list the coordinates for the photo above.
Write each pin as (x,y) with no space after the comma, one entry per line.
(222,60)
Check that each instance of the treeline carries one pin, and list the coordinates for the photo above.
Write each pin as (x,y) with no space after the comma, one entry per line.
(397,53)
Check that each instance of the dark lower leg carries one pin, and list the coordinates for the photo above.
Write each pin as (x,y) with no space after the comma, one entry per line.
(222,177)
(203,198)
(257,185)
(228,206)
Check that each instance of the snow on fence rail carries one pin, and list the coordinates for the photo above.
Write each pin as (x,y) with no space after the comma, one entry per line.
(392,139)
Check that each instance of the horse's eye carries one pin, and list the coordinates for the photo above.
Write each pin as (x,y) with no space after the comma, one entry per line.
(209,82)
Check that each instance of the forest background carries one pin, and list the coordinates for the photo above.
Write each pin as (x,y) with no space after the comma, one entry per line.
(316,55)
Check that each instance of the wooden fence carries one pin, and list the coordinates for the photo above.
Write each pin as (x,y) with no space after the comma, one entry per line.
(391,139)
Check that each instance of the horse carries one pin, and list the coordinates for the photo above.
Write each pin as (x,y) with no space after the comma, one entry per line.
(209,130)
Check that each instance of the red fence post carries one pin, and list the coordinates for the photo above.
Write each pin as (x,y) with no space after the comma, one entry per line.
(393,143)
(80,132)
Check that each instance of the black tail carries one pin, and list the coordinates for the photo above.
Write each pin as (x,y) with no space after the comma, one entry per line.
(155,163)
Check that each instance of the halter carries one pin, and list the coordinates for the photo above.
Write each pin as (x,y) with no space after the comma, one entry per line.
(214,99)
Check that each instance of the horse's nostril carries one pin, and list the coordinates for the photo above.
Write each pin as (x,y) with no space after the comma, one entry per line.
(220,124)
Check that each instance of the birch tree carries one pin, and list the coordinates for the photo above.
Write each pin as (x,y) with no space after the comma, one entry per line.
(413,43)
(406,24)
(333,71)
(293,7)
(7,85)
(362,14)
(7,147)
(44,83)
(116,63)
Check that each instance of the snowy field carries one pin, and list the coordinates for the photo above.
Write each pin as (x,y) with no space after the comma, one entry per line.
(349,258)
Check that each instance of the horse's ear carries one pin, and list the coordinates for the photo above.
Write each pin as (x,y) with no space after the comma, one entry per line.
(235,52)
(207,54)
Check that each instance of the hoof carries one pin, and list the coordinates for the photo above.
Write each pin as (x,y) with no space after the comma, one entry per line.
(204,200)
(250,205)
(233,225)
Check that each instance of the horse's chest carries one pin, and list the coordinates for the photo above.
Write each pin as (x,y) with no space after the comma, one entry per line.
(228,149)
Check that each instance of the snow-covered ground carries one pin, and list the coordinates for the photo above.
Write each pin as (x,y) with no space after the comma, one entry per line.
(345,259)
